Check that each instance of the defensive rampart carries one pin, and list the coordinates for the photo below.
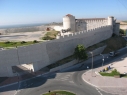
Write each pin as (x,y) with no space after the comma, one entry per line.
(43,54)
(87,24)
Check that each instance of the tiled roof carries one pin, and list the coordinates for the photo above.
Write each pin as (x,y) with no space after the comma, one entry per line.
(68,15)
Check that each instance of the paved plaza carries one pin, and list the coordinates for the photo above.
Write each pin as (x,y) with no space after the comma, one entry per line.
(109,84)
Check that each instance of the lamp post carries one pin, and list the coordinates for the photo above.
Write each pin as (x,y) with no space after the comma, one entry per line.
(102,59)
(92,63)
(17,76)
(18,55)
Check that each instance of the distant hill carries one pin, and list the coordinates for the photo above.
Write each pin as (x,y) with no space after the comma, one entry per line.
(125,21)
(54,23)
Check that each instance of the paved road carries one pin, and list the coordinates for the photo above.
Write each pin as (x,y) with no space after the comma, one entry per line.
(68,80)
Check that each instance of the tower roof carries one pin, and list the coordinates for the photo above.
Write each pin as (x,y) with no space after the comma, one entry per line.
(69,15)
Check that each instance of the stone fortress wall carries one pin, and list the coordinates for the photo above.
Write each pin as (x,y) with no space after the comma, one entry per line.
(43,54)
(87,32)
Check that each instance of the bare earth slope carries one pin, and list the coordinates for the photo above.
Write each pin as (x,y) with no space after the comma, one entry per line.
(114,43)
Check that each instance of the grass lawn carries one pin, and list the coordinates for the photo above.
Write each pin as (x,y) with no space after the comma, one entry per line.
(14,44)
(111,74)
(106,74)
(50,35)
(59,93)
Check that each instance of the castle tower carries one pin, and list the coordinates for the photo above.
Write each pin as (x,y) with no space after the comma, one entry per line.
(69,22)
(110,20)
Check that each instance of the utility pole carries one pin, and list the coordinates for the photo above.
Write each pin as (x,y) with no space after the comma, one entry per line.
(102,59)
(92,64)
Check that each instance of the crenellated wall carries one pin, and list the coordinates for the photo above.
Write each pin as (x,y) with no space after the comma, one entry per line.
(90,24)
(93,30)
(43,54)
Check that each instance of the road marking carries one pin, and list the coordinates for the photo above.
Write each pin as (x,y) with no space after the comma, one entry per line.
(63,79)
(96,89)
(71,81)
(68,75)
(99,92)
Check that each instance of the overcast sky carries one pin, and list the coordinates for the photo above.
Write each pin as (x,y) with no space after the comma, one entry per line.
(45,11)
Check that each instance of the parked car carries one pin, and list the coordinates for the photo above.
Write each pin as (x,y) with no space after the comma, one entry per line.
(114,53)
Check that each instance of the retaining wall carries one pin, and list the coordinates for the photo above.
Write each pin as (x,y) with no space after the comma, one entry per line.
(43,54)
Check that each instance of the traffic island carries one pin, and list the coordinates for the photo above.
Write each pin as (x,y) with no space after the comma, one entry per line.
(114,73)
(59,93)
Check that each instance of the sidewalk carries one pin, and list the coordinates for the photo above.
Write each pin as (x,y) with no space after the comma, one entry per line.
(108,84)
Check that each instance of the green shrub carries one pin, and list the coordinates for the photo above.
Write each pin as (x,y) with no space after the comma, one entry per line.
(122,32)
(35,41)
(115,72)
(23,42)
(47,38)
(7,42)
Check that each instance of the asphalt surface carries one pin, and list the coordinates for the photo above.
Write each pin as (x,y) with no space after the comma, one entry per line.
(69,80)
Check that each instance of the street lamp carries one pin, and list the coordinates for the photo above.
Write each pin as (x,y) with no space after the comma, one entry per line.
(102,59)
(92,63)
(17,76)
(17,54)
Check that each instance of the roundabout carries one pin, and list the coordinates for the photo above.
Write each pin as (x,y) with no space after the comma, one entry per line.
(59,93)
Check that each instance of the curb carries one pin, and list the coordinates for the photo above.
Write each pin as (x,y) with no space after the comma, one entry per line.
(8,84)
(87,81)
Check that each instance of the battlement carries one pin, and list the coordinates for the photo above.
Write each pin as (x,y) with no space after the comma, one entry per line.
(92,20)
(94,30)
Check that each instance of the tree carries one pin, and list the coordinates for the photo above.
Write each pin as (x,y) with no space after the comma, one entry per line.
(80,53)
(122,32)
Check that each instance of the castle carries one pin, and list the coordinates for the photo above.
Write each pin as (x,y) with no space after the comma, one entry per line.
(72,25)
(75,31)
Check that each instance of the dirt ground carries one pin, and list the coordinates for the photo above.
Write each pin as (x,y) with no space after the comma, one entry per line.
(23,36)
